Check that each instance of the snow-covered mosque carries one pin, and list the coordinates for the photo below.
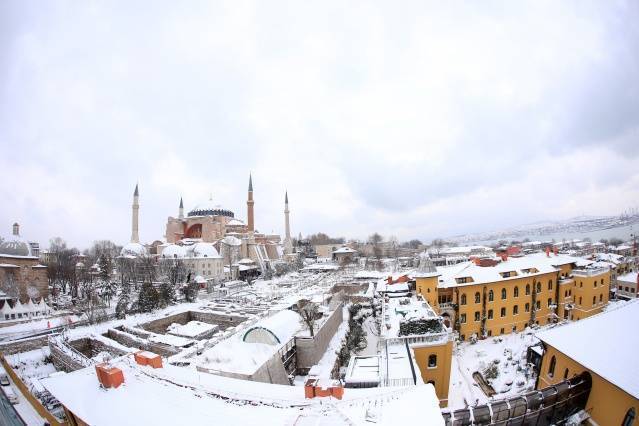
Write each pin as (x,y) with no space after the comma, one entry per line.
(212,241)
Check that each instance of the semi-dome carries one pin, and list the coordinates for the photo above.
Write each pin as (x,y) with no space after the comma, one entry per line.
(204,250)
(15,245)
(209,208)
(133,249)
(173,251)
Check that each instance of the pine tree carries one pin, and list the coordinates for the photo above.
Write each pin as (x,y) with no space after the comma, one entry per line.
(148,298)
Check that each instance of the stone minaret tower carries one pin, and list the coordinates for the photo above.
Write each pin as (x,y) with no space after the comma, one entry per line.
(181,211)
(288,244)
(135,236)
(249,204)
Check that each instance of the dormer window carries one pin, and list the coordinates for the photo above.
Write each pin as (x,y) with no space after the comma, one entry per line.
(508,274)
(463,280)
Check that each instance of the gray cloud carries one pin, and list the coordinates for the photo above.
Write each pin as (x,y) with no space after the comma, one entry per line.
(415,121)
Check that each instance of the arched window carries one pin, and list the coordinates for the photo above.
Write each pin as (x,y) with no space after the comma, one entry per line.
(516,292)
(432,361)
(629,417)
(503,293)
(477,297)
(527,307)
(476,315)
(538,287)
(463,299)
(549,284)
(490,314)
(566,373)
(551,368)
(515,310)
(594,300)
(491,295)
(600,298)
(527,289)
(602,281)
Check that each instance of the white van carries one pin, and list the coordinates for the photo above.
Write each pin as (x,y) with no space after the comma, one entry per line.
(11,395)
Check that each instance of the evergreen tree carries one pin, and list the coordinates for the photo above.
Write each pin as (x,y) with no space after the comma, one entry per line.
(122,307)
(148,298)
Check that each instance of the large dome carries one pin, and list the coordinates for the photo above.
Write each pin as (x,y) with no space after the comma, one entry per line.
(15,245)
(173,251)
(208,208)
(204,250)
(133,249)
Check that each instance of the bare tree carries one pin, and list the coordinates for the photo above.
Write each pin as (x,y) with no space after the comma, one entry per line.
(309,312)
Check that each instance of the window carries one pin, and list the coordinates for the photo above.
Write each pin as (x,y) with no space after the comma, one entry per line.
(527,289)
(538,305)
(477,297)
(432,361)
(594,285)
(477,316)
(594,300)
(490,333)
(581,284)
(566,293)
(538,287)
(463,299)
(580,300)
(551,367)
(516,292)
(549,302)
(462,319)
(490,314)
(515,310)
(503,312)
(503,293)
(600,298)
(491,295)
(549,284)
(527,307)
(462,337)
(502,331)
(629,418)
(602,282)
(566,373)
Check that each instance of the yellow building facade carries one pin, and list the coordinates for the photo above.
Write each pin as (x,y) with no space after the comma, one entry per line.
(434,362)
(602,347)
(507,296)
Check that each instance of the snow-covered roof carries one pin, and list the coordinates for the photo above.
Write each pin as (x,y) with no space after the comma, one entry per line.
(630,277)
(184,395)
(522,266)
(235,222)
(173,251)
(591,341)
(344,250)
(203,250)
(280,328)
(133,249)
(231,241)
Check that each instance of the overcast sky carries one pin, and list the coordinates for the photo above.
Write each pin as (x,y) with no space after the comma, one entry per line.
(416,120)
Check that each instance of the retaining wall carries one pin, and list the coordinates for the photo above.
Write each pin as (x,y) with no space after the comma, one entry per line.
(133,341)
(311,350)
(24,345)
(223,321)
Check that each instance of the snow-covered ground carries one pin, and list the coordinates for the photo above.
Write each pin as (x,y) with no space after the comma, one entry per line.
(513,378)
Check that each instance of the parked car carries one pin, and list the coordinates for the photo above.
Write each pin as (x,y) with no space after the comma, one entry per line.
(4,379)
(11,395)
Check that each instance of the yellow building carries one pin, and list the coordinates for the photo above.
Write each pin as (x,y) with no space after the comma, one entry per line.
(418,346)
(605,347)
(490,297)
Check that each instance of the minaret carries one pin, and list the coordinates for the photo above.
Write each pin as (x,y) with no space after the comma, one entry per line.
(135,237)
(181,210)
(288,244)
(249,205)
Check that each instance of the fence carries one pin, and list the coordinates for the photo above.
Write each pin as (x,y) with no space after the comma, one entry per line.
(37,405)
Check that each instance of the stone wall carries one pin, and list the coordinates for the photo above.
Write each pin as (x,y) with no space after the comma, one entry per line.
(272,371)
(310,350)
(29,272)
(90,347)
(63,361)
(223,321)
(133,341)
(24,345)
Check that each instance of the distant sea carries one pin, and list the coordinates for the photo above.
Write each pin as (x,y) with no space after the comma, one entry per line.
(622,232)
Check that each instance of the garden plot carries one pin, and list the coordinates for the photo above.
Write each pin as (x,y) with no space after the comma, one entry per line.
(501,361)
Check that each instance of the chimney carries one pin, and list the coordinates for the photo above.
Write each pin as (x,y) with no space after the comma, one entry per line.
(109,377)
(504,257)
(148,358)
(547,251)
(556,251)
